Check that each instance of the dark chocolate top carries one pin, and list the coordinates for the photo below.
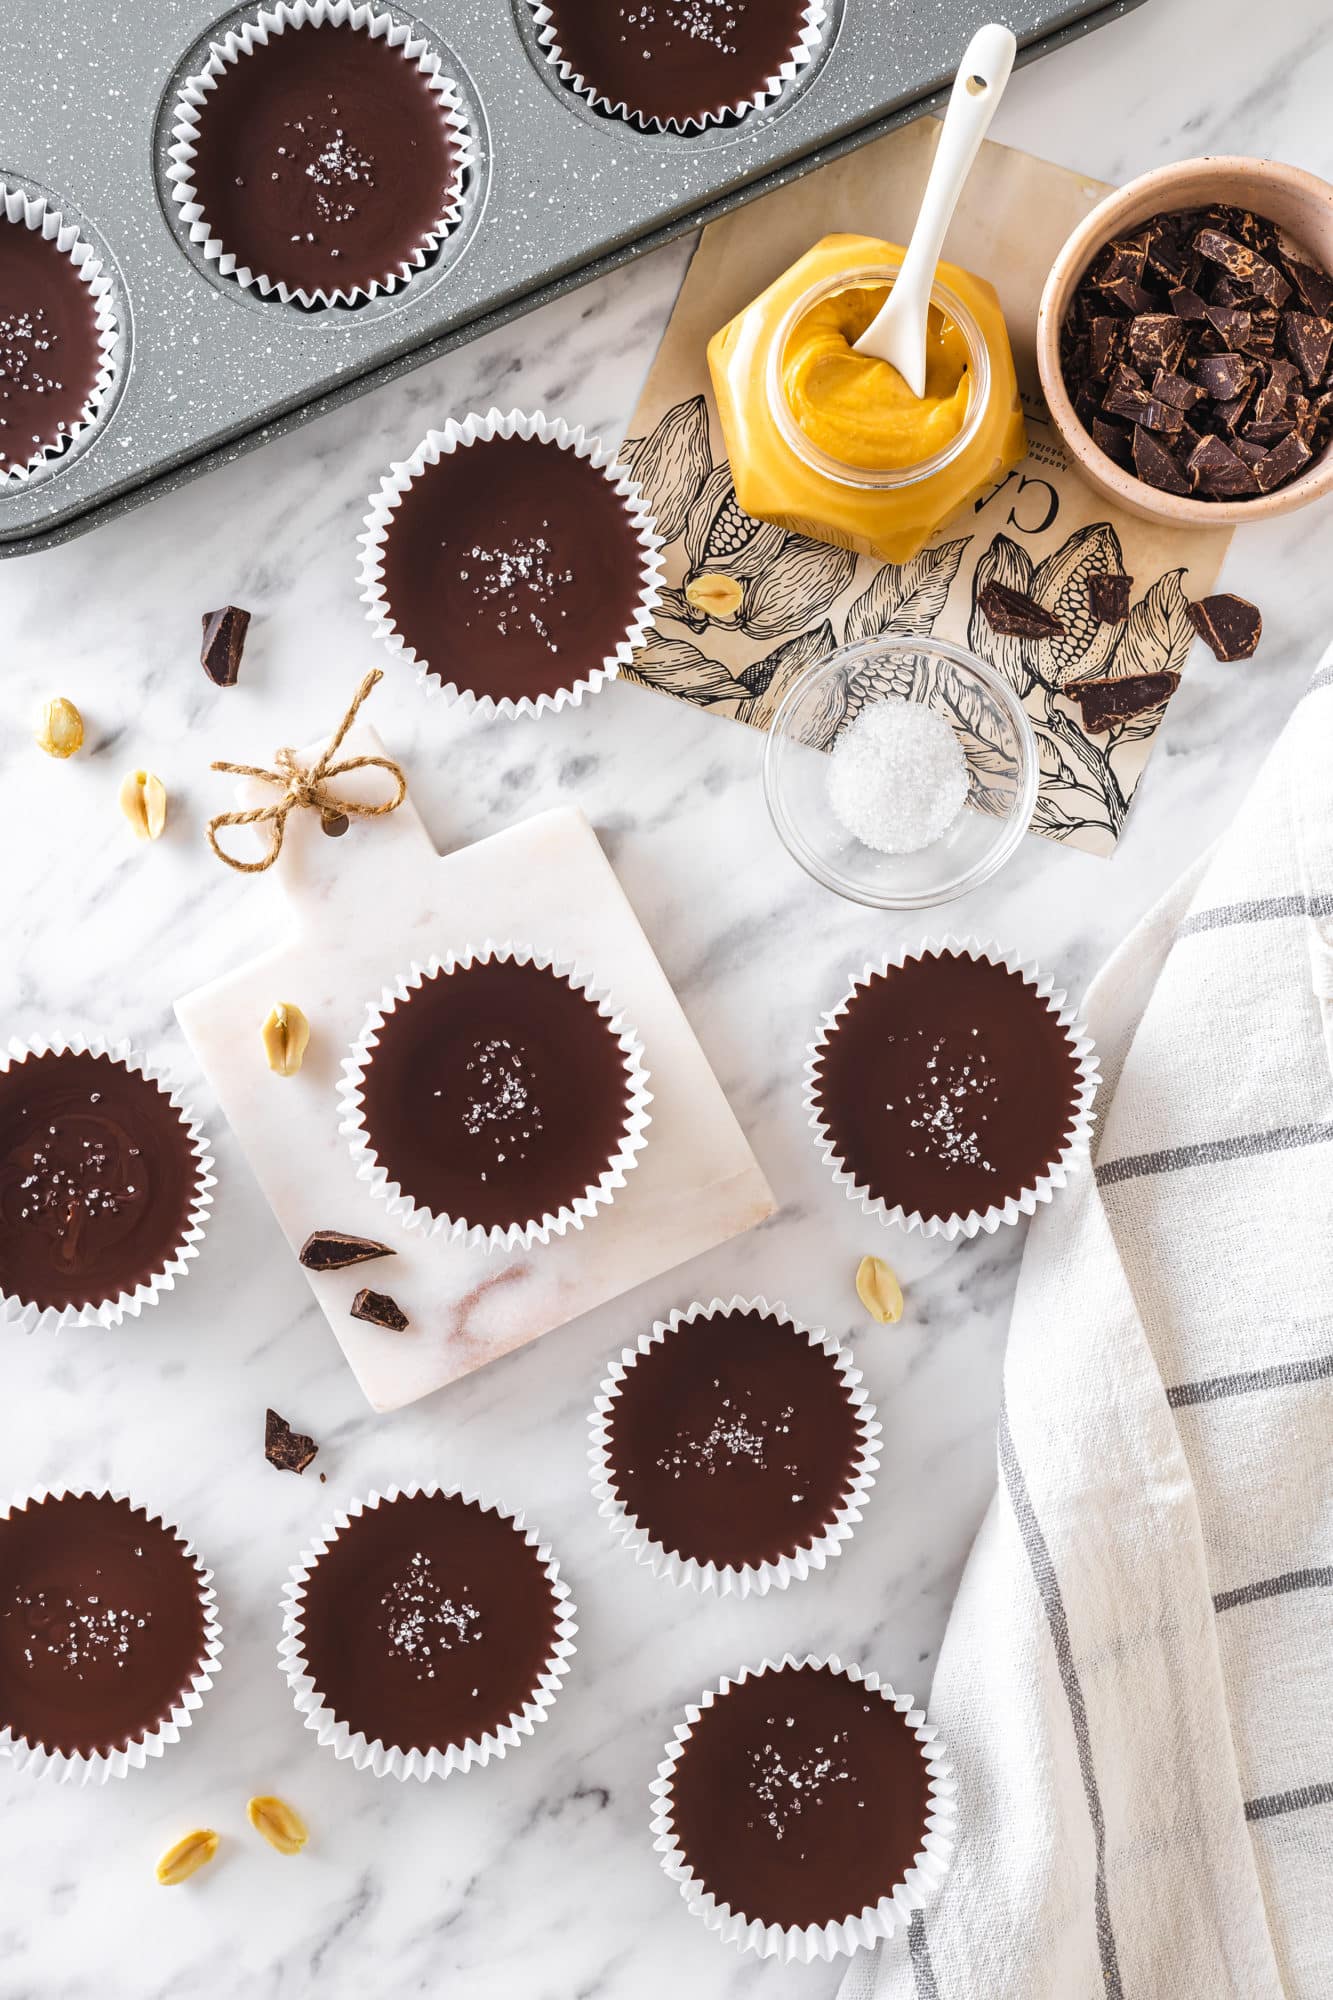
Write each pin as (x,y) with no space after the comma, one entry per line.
(428,1621)
(101,1623)
(733,1440)
(512,567)
(50,354)
(948,1085)
(97,1178)
(497,1094)
(678,59)
(323,160)
(800,1798)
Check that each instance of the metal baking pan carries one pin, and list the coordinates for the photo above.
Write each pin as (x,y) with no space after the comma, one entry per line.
(560,193)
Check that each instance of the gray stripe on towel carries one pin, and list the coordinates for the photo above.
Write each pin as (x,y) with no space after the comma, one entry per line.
(1282,1375)
(923,1972)
(1048,1586)
(1323,679)
(1274,1586)
(1261,910)
(1212,1152)
(1285,1802)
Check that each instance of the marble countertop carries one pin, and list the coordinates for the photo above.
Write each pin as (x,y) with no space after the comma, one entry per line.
(535,1877)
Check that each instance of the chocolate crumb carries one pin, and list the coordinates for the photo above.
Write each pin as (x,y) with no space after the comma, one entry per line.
(334,824)
(1230,625)
(331,1250)
(378,1309)
(1014,615)
(285,1449)
(224,642)
(1106,703)
(1108,598)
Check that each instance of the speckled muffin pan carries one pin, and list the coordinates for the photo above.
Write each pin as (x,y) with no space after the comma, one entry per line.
(556,192)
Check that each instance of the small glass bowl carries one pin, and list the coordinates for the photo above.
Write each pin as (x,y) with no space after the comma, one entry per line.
(993,732)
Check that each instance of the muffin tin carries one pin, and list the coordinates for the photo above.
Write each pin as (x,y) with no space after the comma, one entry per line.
(557,194)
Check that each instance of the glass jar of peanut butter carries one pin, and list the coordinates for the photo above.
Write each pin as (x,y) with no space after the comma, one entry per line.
(833,444)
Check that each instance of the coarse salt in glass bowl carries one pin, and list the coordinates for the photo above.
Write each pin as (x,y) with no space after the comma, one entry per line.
(990,727)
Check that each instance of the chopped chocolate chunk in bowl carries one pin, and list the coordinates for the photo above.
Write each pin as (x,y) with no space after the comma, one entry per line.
(1185,342)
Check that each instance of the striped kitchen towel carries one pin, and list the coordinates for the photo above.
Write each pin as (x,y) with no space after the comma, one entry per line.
(1136,1684)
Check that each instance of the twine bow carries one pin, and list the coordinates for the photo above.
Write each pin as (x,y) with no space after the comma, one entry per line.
(302,789)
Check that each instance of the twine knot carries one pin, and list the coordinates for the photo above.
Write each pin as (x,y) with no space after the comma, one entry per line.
(306,789)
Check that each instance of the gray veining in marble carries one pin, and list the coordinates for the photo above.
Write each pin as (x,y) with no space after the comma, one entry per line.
(534,1879)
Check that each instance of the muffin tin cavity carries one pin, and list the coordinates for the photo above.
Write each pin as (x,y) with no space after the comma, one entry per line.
(538,26)
(205,83)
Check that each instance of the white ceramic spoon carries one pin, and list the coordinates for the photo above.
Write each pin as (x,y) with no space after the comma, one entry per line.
(897,333)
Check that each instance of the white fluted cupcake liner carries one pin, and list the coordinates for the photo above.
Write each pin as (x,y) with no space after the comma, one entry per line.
(815,21)
(240,42)
(389,1760)
(1071,1154)
(28,1316)
(732,1580)
(67,1769)
(33,211)
(857,1929)
(457,1229)
(457,437)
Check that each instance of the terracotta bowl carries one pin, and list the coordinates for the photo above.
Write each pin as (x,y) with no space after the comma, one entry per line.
(1301,205)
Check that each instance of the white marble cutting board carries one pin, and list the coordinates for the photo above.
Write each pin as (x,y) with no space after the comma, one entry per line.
(362,908)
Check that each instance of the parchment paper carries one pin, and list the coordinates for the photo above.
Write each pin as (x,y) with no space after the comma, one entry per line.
(1043,531)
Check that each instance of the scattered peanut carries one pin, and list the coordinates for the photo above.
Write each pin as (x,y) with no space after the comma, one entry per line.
(879,1291)
(285,1034)
(717,596)
(280,1824)
(59,728)
(187,1857)
(143,800)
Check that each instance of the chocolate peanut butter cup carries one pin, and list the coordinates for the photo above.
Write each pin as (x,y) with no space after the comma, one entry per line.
(512,561)
(951,1089)
(805,1810)
(58,334)
(495,1095)
(732,1448)
(105,1184)
(108,1638)
(678,65)
(425,1632)
(321,153)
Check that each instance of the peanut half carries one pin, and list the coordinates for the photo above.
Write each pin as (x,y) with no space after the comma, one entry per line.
(879,1291)
(143,800)
(59,729)
(187,1857)
(285,1034)
(716,595)
(281,1825)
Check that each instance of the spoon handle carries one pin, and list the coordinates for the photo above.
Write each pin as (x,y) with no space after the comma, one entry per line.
(978,86)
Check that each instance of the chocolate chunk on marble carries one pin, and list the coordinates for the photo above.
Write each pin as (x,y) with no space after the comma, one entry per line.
(378,1309)
(223,644)
(334,1250)
(1230,625)
(285,1449)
